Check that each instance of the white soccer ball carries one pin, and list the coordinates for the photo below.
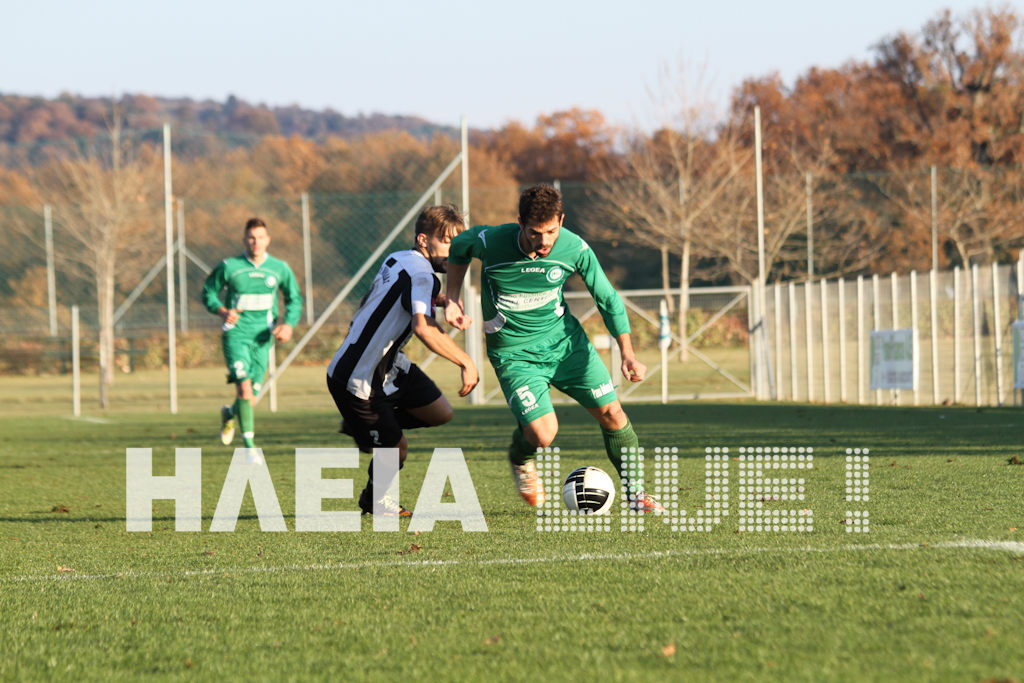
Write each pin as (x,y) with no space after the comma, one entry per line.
(588,490)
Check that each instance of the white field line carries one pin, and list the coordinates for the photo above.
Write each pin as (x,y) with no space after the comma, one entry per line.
(969,544)
(86,418)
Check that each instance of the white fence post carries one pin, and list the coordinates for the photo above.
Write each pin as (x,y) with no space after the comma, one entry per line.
(913,325)
(933,293)
(808,339)
(876,303)
(842,340)
(976,319)
(860,340)
(777,315)
(792,342)
(1020,310)
(956,334)
(997,333)
(826,369)
(172,354)
(894,299)
(76,364)
(664,341)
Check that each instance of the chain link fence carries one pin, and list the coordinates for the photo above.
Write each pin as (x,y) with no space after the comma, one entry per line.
(82,219)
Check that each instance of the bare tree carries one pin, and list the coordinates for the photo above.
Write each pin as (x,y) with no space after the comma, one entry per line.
(668,194)
(106,197)
(733,244)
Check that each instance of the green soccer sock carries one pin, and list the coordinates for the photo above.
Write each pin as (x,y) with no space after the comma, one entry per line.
(520,451)
(620,442)
(243,409)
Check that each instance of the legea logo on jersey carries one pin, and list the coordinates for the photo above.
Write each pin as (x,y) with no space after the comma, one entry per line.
(555,274)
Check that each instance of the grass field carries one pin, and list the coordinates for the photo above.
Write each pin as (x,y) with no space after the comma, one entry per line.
(934,590)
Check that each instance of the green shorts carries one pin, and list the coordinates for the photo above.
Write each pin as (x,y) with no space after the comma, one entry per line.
(571,365)
(247,355)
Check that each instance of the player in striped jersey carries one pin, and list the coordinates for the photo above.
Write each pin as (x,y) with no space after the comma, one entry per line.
(249,284)
(378,391)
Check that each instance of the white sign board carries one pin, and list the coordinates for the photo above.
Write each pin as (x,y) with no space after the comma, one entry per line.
(894,356)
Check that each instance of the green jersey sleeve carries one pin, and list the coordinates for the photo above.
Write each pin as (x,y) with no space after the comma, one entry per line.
(215,283)
(292,296)
(608,301)
(466,246)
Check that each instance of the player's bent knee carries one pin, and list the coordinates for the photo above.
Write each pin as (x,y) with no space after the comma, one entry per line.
(541,435)
(545,440)
(612,416)
(245,390)
(444,416)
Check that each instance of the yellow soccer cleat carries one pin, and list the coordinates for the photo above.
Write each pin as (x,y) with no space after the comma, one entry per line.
(227,425)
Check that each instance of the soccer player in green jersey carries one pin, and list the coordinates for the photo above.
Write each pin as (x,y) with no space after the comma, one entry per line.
(249,284)
(533,342)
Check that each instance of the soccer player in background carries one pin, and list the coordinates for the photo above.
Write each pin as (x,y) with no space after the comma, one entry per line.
(533,342)
(378,391)
(249,284)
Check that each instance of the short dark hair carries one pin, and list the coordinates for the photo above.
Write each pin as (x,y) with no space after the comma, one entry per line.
(254,223)
(540,204)
(440,221)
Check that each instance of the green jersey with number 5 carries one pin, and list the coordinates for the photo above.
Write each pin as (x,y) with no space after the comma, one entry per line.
(522,301)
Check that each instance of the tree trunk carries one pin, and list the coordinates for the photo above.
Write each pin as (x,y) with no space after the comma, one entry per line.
(684,299)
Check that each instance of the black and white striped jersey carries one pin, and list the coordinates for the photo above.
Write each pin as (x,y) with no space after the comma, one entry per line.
(370,358)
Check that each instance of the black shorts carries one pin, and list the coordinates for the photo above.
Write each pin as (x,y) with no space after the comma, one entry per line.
(373,422)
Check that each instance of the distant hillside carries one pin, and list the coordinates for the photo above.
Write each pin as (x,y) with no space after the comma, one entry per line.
(27,121)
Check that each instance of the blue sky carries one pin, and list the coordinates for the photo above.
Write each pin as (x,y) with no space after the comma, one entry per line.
(493,62)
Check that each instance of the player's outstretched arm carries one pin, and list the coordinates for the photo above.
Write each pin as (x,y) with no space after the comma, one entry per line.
(632,368)
(454,313)
(435,339)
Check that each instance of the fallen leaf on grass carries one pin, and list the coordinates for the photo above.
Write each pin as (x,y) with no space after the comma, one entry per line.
(414,548)
(60,508)
(64,569)
(493,640)
(669,650)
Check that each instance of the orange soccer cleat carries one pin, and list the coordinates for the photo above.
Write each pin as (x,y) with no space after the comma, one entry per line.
(528,483)
(643,502)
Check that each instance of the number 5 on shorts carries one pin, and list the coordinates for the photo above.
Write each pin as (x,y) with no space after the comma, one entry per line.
(526,396)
